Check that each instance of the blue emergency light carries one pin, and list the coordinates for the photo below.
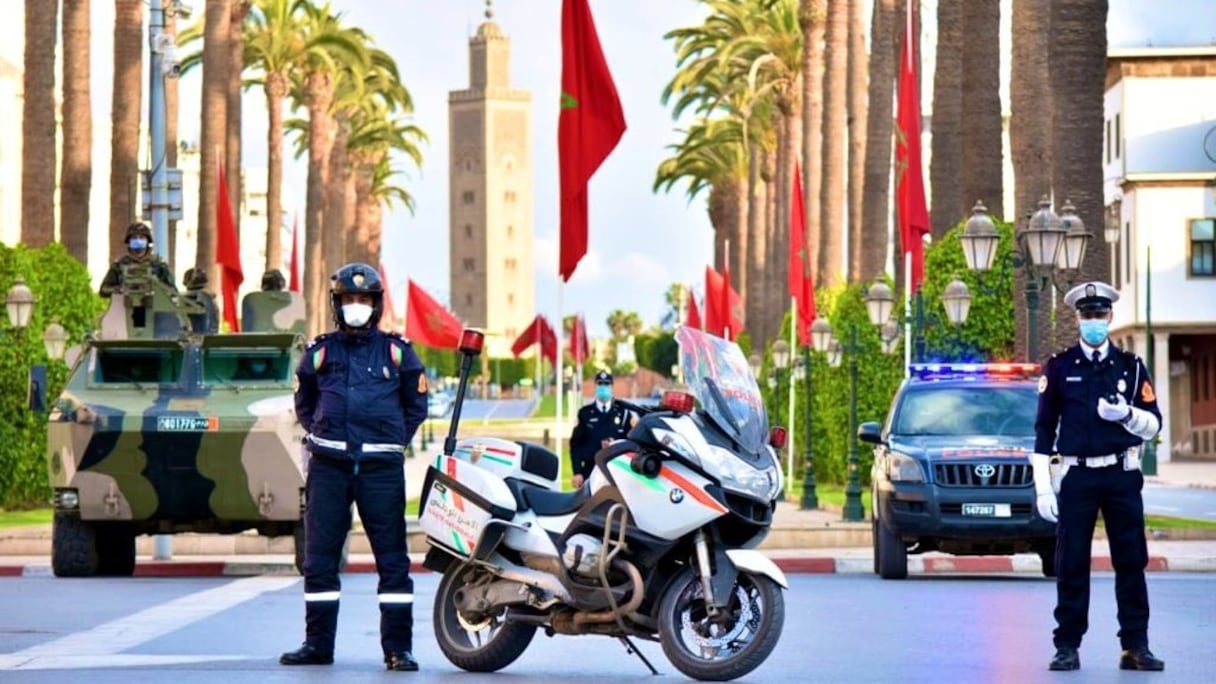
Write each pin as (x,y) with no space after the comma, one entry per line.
(1010,371)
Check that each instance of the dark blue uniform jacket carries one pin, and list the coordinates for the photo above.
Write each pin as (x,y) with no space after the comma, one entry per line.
(593,427)
(361,396)
(1068,422)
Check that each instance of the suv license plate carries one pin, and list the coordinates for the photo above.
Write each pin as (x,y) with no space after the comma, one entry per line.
(1001,510)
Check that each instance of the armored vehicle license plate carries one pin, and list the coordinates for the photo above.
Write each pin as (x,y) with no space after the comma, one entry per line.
(182,423)
(987,510)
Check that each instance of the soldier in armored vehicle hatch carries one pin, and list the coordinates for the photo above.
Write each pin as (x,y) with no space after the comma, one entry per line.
(139,253)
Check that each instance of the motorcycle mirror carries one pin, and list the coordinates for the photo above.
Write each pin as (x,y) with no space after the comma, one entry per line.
(680,402)
(777,437)
(471,341)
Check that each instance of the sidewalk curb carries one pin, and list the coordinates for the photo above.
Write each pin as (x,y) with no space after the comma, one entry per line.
(959,565)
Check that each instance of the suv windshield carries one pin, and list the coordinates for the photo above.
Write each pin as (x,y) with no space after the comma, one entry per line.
(998,411)
(717,374)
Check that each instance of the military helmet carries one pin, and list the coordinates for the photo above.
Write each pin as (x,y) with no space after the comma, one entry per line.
(138,228)
(356,278)
(273,281)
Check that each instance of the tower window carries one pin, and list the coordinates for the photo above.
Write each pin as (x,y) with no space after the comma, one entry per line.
(510,231)
(509,197)
(510,299)
(510,264)
(468,300)
(469,264)
(467,197)
(468,230)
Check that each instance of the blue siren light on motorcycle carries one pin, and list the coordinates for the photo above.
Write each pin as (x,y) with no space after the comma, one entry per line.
(471,341)
(680,402)
(777,437)
(979,371)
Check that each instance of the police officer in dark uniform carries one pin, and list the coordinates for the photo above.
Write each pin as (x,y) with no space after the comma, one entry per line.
(139,249)
(1097,407)
(599,423)
(361,396)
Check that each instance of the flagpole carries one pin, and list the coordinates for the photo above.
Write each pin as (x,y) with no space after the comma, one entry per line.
(726,286)
(789,445)
(558,378)
(907,313)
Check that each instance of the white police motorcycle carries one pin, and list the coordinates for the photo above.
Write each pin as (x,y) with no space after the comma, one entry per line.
(658,544)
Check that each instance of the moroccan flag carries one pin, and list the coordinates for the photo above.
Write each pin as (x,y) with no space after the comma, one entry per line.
(294,285)
(428,323)
(538,331)
(227,254)
(694,315)
(801,286)
(388,319)
(580,348)
(723,306)
(589,126)
(910,181)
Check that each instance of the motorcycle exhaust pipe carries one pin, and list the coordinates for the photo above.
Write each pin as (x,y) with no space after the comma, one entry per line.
(635,599)
(513,615)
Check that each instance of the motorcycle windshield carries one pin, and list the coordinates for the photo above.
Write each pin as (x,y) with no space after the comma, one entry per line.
(720,378)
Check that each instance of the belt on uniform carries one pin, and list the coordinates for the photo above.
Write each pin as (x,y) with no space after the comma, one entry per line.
(340,445)
(1092,461)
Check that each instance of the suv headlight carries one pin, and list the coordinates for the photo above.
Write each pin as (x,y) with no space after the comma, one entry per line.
(904,468)
(741,478)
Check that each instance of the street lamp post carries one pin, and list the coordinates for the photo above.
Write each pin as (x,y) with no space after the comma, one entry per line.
(821,341)
(781,363)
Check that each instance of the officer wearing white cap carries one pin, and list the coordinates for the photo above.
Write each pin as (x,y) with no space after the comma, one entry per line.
(599,423)
(1097,406)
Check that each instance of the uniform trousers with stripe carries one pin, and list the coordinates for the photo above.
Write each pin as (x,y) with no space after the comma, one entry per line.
(378,489)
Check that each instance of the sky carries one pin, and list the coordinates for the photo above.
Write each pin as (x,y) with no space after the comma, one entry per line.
(640,241)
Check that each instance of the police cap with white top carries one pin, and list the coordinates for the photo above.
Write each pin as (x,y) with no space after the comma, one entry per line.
(1092,297)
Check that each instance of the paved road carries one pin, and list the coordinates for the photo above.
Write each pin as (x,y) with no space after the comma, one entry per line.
(1180,502)
(838,629)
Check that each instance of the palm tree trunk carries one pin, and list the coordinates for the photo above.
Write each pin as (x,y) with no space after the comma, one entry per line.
(1078,67)
(863,263)
(884,47)
(334,224)
(76,175)
(320,142)
(124,118)
(214,131)
(1030,104)
(238,9)
(751,279)
(38,124)
(739,233)
(720,216)
(171,142)
(361,244)
(983,158)
(812,15)
(276,92)
(948,204)
(835,106)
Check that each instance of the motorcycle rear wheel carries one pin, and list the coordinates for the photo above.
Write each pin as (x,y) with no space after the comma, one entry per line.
(694,643)
(475,644)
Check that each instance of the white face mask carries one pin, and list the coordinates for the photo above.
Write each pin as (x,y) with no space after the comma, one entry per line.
(356,315)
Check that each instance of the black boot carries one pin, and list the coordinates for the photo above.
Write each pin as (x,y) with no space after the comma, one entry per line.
(1140,658)
(1066,658)
(306,655)
(402,661)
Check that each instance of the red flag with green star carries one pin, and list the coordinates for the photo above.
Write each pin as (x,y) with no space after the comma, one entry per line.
(589,126)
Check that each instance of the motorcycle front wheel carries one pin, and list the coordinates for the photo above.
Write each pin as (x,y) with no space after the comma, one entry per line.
(476,643)
(729,645)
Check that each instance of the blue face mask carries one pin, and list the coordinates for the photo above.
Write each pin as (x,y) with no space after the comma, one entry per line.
(138,243)
(603,393)
(1094,330)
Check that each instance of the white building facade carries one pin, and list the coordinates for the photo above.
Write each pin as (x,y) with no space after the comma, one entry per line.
(1160,194)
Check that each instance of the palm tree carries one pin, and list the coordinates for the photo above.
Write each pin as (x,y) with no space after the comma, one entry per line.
(861,235)
(386,193)
(983,158)
(374,133)
(124,117)
(214,129)
(835,106)
(38,124)
(1031,115)
(948,204)
(76,174)
(885,41)
(1078,67)
(812,17)
(238,11)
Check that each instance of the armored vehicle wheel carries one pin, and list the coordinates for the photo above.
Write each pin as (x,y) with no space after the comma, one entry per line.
(298,536)
(73,547)
(115,550)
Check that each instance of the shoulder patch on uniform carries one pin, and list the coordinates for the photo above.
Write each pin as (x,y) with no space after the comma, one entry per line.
(1146,392)
(397,353)
(1042,384)
(422,385)
(318,358)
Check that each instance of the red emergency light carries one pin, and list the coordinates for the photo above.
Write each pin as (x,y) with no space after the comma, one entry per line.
(680,402)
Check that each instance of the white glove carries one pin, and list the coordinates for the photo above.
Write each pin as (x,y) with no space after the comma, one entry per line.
(1045,499)
(1116,412)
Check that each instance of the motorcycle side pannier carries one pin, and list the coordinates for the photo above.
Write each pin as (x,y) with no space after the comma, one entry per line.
(459,502)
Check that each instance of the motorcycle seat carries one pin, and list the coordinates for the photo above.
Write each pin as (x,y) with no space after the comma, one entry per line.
(549,502)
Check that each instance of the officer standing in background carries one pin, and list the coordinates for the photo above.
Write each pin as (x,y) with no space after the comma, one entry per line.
(1097,406)
(599,423)
(361,396)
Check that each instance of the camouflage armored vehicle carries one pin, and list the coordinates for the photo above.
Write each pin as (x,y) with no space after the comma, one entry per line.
(161,429)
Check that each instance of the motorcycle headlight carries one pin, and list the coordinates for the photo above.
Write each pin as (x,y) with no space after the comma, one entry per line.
(904,468)
(741,478)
